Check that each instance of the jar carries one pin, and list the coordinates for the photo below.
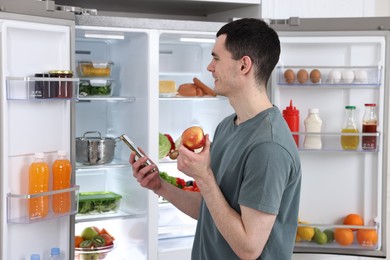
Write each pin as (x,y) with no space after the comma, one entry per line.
(41,88)
(313,124)
(62,89)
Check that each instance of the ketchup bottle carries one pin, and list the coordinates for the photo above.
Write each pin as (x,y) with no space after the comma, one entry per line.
(291,115)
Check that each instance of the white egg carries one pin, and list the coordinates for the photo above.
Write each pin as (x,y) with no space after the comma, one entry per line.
(348,76)
(361,76)
(334,77)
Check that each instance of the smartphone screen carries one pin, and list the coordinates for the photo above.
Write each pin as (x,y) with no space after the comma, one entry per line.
(132,146)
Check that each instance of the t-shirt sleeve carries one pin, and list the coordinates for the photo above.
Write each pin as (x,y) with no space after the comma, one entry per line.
(266,176)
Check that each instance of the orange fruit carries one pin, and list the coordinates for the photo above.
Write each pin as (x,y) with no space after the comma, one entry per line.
(367,237)
(353,220)
(77,241)
(343,236)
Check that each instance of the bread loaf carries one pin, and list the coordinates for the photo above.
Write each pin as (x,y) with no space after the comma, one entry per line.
(167,86)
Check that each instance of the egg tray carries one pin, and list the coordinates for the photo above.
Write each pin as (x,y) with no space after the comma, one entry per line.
(350,76)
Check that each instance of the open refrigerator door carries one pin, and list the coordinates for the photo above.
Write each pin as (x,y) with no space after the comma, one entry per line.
(337,181)
(32,122)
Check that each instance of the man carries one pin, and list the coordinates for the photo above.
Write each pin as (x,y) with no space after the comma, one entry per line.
(249,177)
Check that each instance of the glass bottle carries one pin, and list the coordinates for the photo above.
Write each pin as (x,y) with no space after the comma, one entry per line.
(370,123)
(350,142)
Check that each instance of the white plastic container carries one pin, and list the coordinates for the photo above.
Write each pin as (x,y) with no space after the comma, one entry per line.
(313,124)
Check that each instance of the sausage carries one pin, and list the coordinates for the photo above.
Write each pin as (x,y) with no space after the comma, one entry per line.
(199,92)
(206,89)
(187,90)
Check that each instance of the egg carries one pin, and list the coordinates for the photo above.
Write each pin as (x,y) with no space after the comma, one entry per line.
(361,76)
(289,76)
(334,77)
(347,76)
(315,76)
(302,76)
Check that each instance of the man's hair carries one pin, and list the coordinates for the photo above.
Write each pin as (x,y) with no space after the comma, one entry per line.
(254,38)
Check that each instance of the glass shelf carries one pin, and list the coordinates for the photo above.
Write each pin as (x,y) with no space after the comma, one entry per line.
(354,245)
(18,205)
(40,89)
(341,77)
(331,141)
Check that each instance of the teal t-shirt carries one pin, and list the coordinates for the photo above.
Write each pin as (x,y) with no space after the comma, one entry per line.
(256,164)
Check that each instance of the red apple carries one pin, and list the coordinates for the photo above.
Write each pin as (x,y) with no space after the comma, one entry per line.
(193,138)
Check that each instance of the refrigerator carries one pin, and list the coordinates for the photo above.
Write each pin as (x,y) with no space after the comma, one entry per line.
(338,182)
(140,53)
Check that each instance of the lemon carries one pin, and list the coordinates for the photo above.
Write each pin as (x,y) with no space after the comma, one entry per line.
(330,235)
(305,233)
(320,237)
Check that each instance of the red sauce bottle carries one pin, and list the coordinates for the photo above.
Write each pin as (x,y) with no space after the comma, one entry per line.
(370,123)
(291,115)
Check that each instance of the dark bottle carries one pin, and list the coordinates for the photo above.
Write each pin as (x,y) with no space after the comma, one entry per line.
(370,123)
(41,87)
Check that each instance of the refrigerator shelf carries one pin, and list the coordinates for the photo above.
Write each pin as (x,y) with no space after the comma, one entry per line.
(114,164)
(121,214)
(350,77)
(40,89)
(17,205)
(107,98)
(331,141)
(181,98)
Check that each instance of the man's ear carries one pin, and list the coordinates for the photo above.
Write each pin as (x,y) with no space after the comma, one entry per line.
(246,64)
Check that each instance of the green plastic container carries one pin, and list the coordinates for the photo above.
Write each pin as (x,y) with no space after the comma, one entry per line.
(98,202)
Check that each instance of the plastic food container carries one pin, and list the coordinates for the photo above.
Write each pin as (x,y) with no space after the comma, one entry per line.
(95,69)
(95,87)
(98,202)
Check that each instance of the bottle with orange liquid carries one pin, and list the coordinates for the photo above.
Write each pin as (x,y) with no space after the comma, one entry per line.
(350,142)
(38,182)
(62,170)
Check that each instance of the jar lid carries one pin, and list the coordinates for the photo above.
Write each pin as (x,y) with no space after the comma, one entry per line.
(314,110)
(350,107)
(65,72)
(370,105)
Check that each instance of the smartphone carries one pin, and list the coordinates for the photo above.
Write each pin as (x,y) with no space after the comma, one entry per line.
(133,147)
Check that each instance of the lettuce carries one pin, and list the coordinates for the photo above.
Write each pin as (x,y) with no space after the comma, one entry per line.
(164,146)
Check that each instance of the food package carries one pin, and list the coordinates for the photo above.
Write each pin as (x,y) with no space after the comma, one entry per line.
(95,87)
(95,69)
(98,202)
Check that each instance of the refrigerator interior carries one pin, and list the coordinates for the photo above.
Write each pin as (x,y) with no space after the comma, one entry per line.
(30,125)
(124,111)
(336,182)
(180,62)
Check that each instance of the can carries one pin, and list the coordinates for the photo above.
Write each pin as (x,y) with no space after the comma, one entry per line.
(62,89)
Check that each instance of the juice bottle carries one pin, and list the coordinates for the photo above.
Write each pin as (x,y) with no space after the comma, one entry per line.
(38,182)
(62,170)
(370,123)
(350,142)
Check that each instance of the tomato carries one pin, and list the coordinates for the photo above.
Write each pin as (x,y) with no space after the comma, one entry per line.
(108,239)
(105,232)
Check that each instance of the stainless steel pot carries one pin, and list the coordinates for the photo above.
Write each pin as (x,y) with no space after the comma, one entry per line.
(95,149)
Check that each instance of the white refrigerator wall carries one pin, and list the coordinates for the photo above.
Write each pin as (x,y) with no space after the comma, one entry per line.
(336,182)
(28,127)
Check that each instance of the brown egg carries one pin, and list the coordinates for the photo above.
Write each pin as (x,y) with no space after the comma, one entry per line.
(302,76)
(289,76)
(315,76)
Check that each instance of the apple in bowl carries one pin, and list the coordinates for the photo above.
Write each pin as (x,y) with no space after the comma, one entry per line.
(193,138)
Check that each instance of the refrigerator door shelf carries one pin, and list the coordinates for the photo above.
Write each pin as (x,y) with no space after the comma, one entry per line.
(331,141)
(40,88)
(17,205)
(355,76)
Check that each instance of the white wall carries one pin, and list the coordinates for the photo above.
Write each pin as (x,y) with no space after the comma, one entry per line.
(283,9)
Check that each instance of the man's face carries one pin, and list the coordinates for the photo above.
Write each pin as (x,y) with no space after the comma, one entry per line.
(223,68)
